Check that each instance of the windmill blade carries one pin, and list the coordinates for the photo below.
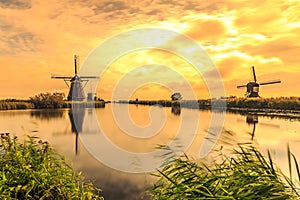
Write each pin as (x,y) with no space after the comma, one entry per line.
(270,82)
(90,77)
(61,77)
(241,86)
(253,132)
(270,125)
(76,63)
(253,73)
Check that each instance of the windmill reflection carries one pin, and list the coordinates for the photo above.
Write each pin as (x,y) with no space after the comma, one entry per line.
(76,116)
(176,110)
(252,119)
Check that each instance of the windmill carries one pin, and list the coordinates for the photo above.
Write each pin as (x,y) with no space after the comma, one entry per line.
(253,86)
(76,86)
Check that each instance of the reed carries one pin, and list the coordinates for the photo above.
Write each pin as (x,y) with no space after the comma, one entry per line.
(245,175)
(33,170)
(15,105)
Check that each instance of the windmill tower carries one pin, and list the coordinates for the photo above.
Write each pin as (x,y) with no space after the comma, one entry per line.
(253,86)
(77,83)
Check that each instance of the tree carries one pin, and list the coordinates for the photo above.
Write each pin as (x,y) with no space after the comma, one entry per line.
(48,100)
(176,96)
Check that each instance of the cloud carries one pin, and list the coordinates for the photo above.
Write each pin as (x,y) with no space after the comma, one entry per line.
(15,39)
(19,42)
(16,4)
(203,29)
(284,48)
(109,6)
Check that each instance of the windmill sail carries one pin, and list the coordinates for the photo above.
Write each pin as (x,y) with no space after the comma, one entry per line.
(270,82)
(61,77)
(241,86)
(82,77)
(76,63)
(253,73)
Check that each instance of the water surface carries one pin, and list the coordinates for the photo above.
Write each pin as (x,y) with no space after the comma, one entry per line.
(155,125)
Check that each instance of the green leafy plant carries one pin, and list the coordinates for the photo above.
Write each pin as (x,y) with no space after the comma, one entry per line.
(31,169)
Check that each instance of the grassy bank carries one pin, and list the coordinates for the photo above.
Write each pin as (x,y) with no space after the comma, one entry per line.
(267,106)
(245,175)
(21,105)
(31,169)
(280,103)
(47,101)
(15,105)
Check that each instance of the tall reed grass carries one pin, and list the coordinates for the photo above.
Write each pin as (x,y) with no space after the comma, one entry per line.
(15,105)
(245,175)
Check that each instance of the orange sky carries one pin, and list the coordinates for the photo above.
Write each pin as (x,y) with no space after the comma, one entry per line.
(39,38)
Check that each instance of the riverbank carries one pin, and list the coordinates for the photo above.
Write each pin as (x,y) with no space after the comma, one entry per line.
(27,104)
(279,107)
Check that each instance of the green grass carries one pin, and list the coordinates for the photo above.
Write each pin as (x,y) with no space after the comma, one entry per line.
(31,169)
(245,175)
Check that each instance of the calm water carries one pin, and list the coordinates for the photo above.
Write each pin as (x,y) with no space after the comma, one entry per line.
(140,132)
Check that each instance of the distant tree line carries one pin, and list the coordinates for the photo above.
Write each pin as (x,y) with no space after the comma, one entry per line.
(48,100)
(280,103)
(57,100)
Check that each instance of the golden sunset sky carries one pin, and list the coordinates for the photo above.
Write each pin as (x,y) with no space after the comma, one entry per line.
(39,38)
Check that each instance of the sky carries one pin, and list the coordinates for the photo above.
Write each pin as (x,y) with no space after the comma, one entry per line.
(39,38)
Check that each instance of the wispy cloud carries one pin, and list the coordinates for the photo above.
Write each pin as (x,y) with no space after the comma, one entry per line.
(15,4)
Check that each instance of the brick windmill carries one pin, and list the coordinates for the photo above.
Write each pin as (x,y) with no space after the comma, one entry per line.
(253,86)
(77,83)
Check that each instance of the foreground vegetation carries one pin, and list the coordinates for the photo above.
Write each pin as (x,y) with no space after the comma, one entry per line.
(246,175)
(33,170)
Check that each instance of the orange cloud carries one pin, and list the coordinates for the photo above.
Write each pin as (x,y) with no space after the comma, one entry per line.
(206,29)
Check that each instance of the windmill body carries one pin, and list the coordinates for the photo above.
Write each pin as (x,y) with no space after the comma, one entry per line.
(252,88)
(77,83)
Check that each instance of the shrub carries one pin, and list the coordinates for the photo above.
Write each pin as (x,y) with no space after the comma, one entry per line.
(33,170)
(48,100)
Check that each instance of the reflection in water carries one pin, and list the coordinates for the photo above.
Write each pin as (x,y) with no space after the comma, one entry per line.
(176,110)
(47,114)
(270,133)
(252,119)
(76,116)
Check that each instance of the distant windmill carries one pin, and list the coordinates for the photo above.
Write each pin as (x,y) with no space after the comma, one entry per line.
(76,92)
(253,87)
